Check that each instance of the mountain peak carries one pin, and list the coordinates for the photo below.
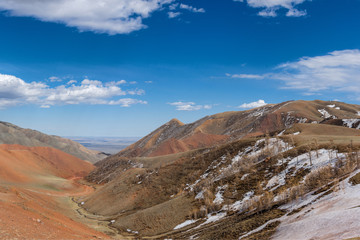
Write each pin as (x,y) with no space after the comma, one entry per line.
(175,121)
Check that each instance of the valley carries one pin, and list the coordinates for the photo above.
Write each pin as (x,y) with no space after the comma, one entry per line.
(179,120)
(264,173)
(36,187)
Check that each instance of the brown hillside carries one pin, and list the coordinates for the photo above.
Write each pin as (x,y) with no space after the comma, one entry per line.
(174,136)
(153,201)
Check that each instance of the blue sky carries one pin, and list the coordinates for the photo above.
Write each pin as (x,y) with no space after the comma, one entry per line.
(123,68)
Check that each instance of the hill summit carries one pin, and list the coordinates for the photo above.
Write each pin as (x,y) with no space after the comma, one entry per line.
(175,137)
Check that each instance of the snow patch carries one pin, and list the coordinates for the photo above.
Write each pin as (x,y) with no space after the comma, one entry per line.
(130,231)
(184,224)
(325,114)
(238,205)
(213,218)
(281,133)
(200,195)
(244,176)
(350,123)
(302,120)
(219,195)
(319,158)
(335,216)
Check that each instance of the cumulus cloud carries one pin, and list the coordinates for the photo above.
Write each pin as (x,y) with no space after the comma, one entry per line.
(189,106)
(270,7)
(256,104)
(105,16)
(15,91)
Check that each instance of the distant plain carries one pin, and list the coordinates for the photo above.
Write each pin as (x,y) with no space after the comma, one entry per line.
(110,145)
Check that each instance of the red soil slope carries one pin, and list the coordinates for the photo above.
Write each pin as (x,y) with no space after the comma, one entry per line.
(22,164)
(197,140)
(35,186)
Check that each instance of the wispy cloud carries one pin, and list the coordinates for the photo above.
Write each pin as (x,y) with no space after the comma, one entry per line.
(191,8)
(336,71)
(106,16)
(71,82)
(15,91)
(256,104)
(174,14)
(246,76)
(189,106)
(270,7)
(175,9)
(55,79)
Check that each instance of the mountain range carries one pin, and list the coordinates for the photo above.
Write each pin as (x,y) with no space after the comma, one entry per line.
(263,173)
(245,174)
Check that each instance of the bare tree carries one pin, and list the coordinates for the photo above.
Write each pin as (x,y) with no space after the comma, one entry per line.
(308,148)
(316,144)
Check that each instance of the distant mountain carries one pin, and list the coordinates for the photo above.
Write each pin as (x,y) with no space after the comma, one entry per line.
(174,136)
(12,134)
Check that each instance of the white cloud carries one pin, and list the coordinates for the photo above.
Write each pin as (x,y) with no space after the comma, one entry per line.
(127,102)
(295,13)
(105,16)
(174,14)
(113,83)
(189,106)
(136,92)
(191,8)
(148,82)
(55,79)
(256,104)
(173,6)
(338,71)
(246,76)
(71,82)
(15,91)
(268,12)
(270,7)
